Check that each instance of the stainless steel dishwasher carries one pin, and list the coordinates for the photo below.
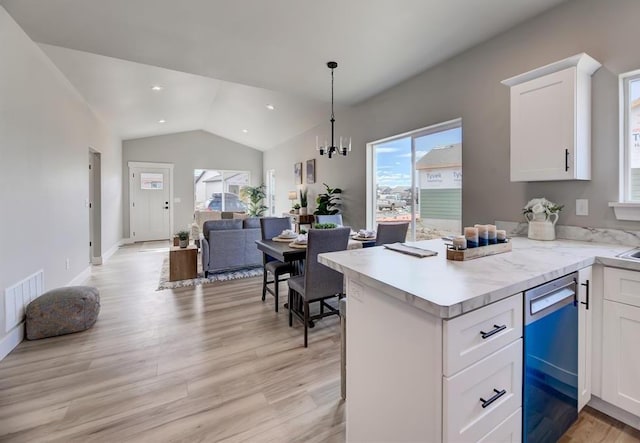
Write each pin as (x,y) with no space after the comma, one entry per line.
(550,385)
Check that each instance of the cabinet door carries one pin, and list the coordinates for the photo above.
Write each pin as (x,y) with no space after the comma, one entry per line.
(543,128)
(620,357)
(585,344)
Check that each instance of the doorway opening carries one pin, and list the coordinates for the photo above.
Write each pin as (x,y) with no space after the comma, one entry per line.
(94,205)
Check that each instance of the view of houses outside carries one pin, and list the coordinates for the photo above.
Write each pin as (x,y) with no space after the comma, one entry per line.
(211,185)
(435,206)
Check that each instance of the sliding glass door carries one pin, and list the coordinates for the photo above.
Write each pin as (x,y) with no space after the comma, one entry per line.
(417,177)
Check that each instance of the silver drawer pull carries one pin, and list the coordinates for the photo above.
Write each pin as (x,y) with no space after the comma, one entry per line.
(494,331)
(498,394)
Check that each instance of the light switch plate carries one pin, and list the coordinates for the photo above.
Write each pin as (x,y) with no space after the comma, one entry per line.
(582,206)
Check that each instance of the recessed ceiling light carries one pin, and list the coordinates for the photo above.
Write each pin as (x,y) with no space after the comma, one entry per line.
(245,131)
(156,88)
(271,107)
(162,121)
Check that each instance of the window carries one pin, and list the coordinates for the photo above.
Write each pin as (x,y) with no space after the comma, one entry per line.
(217,190)
(417,177)
(630,85)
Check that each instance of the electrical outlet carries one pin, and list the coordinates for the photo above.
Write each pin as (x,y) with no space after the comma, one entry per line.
(67,264)
(582,206)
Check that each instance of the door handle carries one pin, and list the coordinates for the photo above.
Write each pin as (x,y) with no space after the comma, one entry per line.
(497,395)
(494,331)
(586,302)
(566,160)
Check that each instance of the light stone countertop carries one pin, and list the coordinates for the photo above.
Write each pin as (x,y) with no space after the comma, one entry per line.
(448,288)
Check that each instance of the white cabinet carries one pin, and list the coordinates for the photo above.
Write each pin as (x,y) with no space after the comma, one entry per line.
(550,121)
(585,340)
(621,335)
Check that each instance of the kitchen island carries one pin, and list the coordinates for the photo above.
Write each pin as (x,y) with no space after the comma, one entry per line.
(417,365)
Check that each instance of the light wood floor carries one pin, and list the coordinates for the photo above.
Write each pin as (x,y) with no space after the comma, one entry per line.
(208,363)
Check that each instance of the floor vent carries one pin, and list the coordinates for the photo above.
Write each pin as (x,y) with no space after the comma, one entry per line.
(18,296)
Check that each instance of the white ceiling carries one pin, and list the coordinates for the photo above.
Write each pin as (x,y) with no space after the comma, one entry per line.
(274,45)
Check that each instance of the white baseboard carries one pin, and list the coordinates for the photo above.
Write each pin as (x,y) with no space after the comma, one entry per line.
(615,412)
(96,260)
(81,278)
(127,241)
(112,250)
(11,340)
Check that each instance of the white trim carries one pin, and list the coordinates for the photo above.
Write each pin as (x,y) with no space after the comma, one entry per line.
(168,166)
(81,278)
(128,241)
(112,250)
(615,412)
(149,165)
(11,340)
(626,211)
(96,261)
(583,62)
(624,188)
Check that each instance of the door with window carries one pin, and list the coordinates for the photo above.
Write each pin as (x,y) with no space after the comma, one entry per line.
(417,177)
(150,202)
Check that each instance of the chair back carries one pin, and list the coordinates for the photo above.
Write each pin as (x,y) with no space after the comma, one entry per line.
(336,219)
(319,280)
(391,233)
(273,226)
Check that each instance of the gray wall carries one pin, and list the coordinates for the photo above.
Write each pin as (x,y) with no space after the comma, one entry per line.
(468,86)
(46,129)
(188,151)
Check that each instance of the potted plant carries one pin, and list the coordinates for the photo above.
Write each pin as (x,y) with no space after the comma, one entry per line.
(325,226)
(256,196)
(327,203)
(542,216)
(183,237)
(303,202)
(296,208)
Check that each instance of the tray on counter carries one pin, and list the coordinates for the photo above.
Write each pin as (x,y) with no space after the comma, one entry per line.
(481,251)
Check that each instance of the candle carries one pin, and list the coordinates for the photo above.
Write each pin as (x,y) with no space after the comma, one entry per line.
(459,242)
(483,235)
(491,229)
(501,236)
(471,234)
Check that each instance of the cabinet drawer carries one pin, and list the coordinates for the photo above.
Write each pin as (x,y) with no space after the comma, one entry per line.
(471,337)
(622,286)
(509,431)
(478,399)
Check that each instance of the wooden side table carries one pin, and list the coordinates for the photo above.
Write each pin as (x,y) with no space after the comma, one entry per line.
(183,263)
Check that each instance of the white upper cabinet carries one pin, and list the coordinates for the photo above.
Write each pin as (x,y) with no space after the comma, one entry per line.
(551,121)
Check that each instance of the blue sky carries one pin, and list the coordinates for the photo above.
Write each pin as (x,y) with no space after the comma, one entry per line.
(394,157)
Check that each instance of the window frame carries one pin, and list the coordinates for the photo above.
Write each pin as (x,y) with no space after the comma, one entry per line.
(624,182)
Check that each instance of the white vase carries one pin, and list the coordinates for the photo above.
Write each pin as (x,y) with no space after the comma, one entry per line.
(542,228)
(303,211)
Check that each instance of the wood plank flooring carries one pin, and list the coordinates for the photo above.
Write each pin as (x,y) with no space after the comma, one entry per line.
(209,363)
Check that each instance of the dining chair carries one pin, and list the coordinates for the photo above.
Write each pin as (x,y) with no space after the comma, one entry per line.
(391,233)
(271,227)
(319,282)
(336,219)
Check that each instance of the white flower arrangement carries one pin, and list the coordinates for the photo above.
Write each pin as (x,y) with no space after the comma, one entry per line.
(539,207)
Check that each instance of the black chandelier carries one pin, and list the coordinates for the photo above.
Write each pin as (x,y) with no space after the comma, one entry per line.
(330,149)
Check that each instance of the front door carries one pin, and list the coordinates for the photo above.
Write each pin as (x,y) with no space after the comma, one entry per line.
(150,205)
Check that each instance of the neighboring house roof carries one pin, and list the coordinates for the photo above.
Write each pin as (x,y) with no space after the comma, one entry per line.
(442,157)
(635,103)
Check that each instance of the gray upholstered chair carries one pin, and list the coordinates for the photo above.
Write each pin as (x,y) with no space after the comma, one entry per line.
(391,233)
(319,282)
(271,227)
(336,219)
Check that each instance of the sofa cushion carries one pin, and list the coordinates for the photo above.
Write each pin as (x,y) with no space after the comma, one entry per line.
(220,225)
(251,223)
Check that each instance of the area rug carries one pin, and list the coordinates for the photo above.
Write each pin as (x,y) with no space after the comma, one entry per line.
(201,279)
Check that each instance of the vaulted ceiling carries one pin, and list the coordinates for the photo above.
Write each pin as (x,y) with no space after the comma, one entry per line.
(221,62)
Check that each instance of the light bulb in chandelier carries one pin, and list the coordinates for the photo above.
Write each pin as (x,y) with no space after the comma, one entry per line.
(343,148)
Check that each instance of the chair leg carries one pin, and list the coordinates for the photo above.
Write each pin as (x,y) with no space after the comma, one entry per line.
(276,287)
(264,284)
(290,308)
(306,323)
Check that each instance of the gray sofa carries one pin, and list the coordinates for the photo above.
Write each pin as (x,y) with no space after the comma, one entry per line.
(230,244)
